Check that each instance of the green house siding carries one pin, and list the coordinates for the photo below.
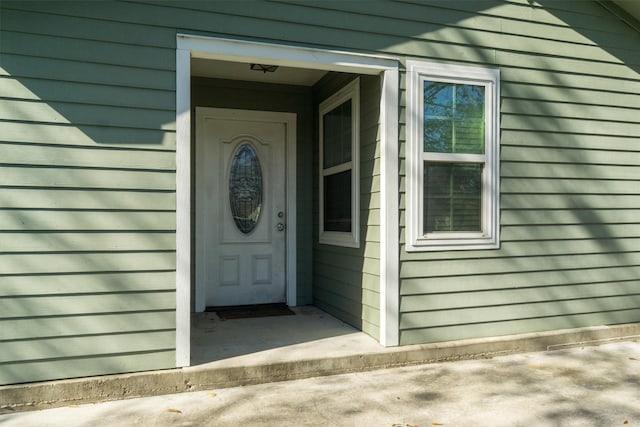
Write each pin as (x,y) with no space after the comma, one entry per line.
(347,280)
(87,173)
(87,198)
(570,102)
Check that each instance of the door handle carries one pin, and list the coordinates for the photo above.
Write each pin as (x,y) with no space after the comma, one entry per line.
(281,226)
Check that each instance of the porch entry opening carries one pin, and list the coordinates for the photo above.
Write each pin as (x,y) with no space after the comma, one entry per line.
(241,211)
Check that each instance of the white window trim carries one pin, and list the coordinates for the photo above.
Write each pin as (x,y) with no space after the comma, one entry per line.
(349,239)
(416,241)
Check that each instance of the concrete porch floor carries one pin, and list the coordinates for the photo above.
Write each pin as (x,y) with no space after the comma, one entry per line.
(309,334)
(313,343)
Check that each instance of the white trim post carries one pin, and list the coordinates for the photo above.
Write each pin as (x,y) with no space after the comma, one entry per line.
(183,207)
(389,212)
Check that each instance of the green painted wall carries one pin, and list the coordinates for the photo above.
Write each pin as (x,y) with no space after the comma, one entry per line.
(570,102)
(346,281)
(87,172)
(87,195)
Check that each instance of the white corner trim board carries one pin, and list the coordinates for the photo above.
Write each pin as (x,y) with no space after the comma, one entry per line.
(183,208)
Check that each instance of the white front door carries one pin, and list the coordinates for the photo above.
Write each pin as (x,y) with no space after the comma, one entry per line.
(241,212)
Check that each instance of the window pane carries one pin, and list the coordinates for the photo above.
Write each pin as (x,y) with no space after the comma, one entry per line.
(469,101)
(469,136)
(337,135)
(337,202)
(453,118)
(438,135)
(245,188)
(452,197)
(438,98)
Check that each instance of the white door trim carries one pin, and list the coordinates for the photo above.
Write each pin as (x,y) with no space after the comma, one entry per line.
(189,46)
(289,119)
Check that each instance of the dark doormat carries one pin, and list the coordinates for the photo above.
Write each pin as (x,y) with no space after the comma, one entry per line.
(249,311)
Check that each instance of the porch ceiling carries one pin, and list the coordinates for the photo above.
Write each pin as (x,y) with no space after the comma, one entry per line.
(241,71)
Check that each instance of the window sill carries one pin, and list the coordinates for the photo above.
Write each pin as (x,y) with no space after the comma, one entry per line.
(432,244)
(338,239)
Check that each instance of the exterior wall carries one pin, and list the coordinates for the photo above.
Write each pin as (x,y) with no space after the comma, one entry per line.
(346,281)
(570,203)
(87,171)
(275,97)
(87,197)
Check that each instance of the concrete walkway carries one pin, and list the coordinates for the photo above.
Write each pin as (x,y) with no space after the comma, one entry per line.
(581,386)
(310,343)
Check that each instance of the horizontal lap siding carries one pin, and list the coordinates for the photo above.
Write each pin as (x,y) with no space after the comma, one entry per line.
(570,161)
(87,197)
(337,271)
(370,202)
(346,280)
(87,156)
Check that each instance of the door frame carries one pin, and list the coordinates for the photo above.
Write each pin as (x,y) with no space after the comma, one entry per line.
(236,50)
(289,119)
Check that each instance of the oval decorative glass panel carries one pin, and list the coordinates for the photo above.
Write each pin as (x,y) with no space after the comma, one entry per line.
(245,188)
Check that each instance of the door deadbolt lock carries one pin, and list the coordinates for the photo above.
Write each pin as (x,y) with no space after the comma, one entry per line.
(281,226)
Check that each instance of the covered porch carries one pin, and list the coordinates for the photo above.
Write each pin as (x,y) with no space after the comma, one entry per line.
(344,280)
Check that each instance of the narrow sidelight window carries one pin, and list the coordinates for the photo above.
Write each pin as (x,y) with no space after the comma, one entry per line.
(338,175)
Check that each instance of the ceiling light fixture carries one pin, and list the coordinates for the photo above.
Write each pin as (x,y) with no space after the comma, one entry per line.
(264,68)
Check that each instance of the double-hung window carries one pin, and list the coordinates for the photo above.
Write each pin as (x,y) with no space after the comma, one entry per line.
(452,157)
(339,172)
